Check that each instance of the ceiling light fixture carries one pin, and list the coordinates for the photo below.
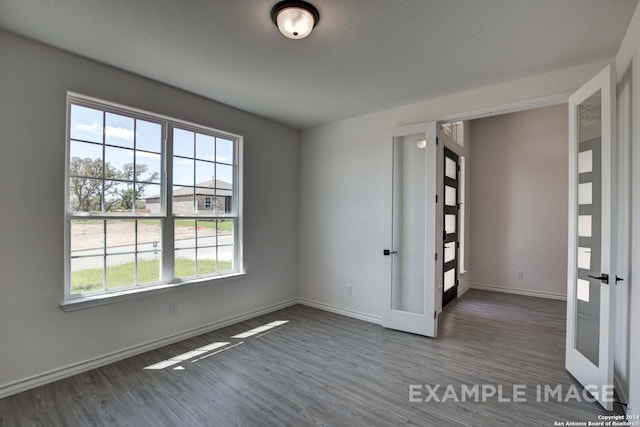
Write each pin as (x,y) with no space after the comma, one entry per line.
(295,18)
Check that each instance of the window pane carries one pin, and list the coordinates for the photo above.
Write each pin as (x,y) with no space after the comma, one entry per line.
(183,202)
(206,261)
(152,200)
(185,233)
(120,271)
(148,167)
(119,130)
(205,147)
(86,274)
(583,290)
(585,193)
(85,167)
(148,237)
(225,232)
(183,142)
(224,175)
(120,161)
(206,203)
(585,161)
(84,194)
(148,136)
(449,251)
(118,197)
(182,171)
(225,258)
(224,150)
(223,198)
(149,250)
(205,174)
(584,258)
(148,269)
(584,225)
(205,199)
(86,124)
(206,233)
(86,159)
(450,198)
(450,224)
(146,193)
(450,168)
(121,235)
(87,237)
(449,279)
(185,264)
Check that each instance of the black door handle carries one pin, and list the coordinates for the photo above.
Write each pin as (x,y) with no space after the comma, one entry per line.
(388,252)
(604,278)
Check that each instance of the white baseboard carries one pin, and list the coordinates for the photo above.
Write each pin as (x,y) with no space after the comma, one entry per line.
(530,293)
(340,310)
(462,291)
(96,362)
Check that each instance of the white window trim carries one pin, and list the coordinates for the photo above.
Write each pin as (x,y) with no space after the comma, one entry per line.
(168,282)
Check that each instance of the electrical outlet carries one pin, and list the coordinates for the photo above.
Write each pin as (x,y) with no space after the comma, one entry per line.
(520,274)
(349,290)
(172,309)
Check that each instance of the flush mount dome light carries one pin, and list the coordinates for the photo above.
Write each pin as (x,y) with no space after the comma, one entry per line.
(295,18)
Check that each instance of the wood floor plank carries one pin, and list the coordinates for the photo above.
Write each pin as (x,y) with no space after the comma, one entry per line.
(323,369)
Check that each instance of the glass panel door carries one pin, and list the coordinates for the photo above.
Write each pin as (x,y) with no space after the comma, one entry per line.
(587,298)
(409,225)
(591,275)
(410,267)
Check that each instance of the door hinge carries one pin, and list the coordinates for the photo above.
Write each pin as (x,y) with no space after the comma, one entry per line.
(444,234)
(436,198)
(436,256)
(437,140)
(435,314)
(458,168)
(458,245)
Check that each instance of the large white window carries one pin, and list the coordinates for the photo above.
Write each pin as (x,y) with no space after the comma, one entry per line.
(150,200)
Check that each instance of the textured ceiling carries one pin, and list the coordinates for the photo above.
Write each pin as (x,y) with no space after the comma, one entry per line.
(364,56)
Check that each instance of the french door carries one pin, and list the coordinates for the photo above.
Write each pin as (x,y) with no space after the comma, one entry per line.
(411,267)
(591,263)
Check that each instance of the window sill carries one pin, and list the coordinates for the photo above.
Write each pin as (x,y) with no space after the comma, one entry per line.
(463,272)
(81,303)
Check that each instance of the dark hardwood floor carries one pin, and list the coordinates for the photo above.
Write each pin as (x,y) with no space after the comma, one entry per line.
(325,369)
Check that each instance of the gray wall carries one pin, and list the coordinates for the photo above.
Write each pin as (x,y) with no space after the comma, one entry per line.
(342,181)
(36,336)
(519,201)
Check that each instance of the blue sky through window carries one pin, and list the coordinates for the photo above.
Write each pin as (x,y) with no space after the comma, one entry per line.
(88,124)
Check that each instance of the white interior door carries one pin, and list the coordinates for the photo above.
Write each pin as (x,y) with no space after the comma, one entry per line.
(411,268)
(591,262)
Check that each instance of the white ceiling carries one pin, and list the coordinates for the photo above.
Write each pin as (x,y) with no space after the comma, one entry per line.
(364,55)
